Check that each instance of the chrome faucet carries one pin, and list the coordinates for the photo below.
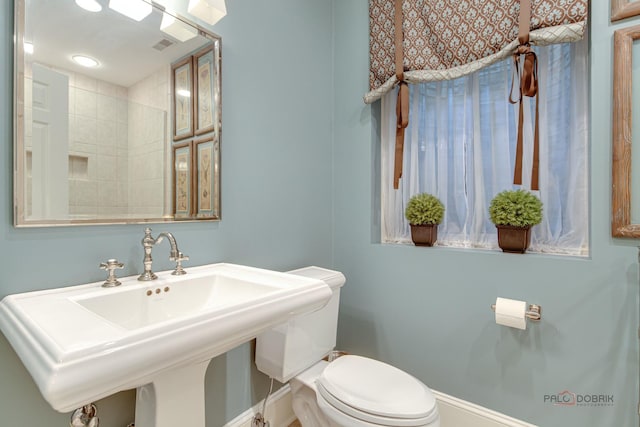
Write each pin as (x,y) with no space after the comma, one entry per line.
(174,255)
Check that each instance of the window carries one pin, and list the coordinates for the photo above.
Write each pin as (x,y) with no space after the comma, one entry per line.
(460,146)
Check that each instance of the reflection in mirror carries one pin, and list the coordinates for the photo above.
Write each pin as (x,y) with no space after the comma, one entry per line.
(95,112)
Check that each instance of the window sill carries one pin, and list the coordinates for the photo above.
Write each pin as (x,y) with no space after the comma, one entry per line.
(535,250)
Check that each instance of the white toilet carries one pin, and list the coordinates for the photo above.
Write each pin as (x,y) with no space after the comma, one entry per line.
(351,391)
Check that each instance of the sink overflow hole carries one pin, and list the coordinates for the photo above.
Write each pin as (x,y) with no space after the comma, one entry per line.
(158,290)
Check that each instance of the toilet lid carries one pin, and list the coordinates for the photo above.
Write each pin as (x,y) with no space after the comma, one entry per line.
(376,388)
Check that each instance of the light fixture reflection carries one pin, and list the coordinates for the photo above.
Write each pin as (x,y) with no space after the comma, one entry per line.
(85,61)
(134,9)
(210,11)
(176,28)
(163,3)
(28,48)
(90,5)
(183,92)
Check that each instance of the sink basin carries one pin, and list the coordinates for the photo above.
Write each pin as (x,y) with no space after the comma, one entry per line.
(83,343)
(133,308)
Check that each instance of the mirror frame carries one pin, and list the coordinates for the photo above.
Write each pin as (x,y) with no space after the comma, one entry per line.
(621,9)
(622,139)
(19,219)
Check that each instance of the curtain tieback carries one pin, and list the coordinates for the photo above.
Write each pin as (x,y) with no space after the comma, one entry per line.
(527,76)
(402,103)
(402,115)
(525,72)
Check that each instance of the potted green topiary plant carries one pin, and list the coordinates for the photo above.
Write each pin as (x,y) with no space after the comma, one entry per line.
(424,212)
(514,212)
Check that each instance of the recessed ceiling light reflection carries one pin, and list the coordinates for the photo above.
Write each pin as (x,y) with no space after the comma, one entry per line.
(90,5)
(28,48)
(183,92)
(85,61)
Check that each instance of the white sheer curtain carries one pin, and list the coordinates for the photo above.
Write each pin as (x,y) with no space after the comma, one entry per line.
(460,146)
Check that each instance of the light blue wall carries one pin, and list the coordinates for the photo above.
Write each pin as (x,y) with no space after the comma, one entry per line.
(276,194)
(426,310)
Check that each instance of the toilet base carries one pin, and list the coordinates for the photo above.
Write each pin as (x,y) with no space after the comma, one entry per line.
(307,410)
(303,398)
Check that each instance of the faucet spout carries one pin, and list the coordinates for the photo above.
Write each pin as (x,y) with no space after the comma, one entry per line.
(172,241)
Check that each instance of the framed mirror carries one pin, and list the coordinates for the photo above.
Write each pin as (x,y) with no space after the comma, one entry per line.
(104,99)
(625,219)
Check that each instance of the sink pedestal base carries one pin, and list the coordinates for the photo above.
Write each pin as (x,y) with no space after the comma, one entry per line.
(174,398)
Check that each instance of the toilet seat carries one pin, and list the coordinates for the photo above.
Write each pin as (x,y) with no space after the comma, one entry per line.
(354,418)
(374,392)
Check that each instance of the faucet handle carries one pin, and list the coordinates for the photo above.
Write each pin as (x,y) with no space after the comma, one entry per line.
(179,270)
(111,265)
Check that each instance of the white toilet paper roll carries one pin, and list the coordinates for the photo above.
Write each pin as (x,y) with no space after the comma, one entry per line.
(511,313)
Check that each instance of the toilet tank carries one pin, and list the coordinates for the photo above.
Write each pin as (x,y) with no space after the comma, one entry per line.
(290,348)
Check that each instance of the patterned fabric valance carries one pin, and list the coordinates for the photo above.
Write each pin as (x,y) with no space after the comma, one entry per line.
(445,39)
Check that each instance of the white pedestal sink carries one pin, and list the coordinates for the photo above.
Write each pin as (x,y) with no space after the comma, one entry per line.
(83,343)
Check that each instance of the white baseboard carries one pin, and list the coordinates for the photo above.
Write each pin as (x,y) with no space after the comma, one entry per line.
(279,412)
(454,412)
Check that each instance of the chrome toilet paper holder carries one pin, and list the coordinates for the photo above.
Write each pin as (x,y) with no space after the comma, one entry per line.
(534,313)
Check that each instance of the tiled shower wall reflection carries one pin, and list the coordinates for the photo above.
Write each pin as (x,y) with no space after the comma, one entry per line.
(148,149)
(98,129)
(117,146)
